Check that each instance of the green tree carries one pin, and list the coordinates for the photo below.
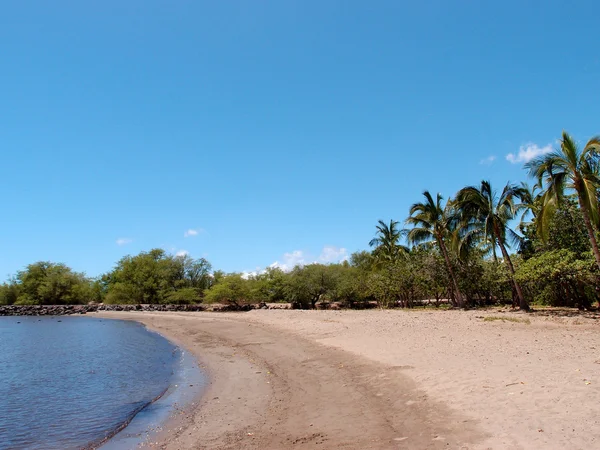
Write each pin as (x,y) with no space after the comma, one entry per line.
(363,260)
(433,273)
(231,289)
(393,284)
(571,169)
(121,293)
(194,273)
(184,295)
(9,292)
(484,210)
(46,283)
(145,278)
(566,229)
(433,222)
(560,278)
(348,285)
(156,277)
(217,276)
(531,203)
(386,242)
(309,284)
(269,286)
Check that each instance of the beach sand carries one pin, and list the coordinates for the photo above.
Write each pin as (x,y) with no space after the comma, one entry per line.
(386,380)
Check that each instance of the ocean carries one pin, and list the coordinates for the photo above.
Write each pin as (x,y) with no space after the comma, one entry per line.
(73,382)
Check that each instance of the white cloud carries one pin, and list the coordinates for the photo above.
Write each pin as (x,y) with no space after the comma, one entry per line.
(182,253)
(290,260)
(331,254)
(488,161)
(191,232)
(124,241)
(252,273)
(527,152)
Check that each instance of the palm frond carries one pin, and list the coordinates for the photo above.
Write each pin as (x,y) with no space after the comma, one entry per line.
(569,149)
(417,236)
(513,239)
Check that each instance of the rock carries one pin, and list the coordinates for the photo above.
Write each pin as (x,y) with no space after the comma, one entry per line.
(62,310)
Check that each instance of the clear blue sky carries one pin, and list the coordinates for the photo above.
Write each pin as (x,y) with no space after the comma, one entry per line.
(272,126)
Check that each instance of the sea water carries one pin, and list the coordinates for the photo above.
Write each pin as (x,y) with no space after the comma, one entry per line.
(72,382)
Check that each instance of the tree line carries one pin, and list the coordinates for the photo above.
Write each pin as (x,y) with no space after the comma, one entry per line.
(518,245)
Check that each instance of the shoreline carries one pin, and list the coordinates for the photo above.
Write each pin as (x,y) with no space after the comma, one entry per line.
(124,425)
(272,389)
(387,379)
(181,416)
(146,425)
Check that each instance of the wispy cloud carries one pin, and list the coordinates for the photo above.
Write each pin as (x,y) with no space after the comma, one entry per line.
(124,241)
(488,161)
(182,253)
(193,232)
(528,152)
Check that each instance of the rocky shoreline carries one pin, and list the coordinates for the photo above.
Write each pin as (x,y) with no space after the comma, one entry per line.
(65,310)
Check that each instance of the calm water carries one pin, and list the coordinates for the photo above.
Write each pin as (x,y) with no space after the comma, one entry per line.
(69,382)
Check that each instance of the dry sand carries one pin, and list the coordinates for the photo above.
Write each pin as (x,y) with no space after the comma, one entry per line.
(387,380)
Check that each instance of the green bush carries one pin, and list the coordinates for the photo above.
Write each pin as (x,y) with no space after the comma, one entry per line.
(9,293)
(232,290)
(184,296)
(45,283)
(157,277)
(123,294)
(559,278)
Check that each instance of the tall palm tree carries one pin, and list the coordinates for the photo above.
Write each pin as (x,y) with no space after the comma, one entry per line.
(432,222)
(572,169)
(482,209)
(387,242)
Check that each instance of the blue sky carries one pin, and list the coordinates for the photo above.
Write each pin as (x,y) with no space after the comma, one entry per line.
(278,130)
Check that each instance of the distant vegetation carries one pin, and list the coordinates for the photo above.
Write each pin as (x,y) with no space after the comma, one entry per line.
(518,245)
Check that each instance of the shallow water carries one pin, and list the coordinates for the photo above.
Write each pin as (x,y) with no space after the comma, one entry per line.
(69,382)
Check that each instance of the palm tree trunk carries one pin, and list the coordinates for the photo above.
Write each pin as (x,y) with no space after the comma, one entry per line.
(590,230)
(459,297)
(522,302)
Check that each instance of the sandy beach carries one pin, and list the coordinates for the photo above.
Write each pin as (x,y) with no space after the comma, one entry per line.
(386,380)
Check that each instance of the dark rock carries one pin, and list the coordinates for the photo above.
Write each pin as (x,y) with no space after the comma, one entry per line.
(63,310)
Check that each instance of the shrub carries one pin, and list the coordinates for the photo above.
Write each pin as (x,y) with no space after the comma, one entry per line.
(559,278)
(231,290)
(184,296)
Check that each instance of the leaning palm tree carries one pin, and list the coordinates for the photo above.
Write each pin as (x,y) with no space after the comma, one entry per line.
(571,169)
(483,210)
(387,242)
(432,222)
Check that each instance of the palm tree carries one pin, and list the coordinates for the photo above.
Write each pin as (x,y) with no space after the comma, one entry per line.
(530,202)
(387,242)
(483,210)
(571,169)
(433,223)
